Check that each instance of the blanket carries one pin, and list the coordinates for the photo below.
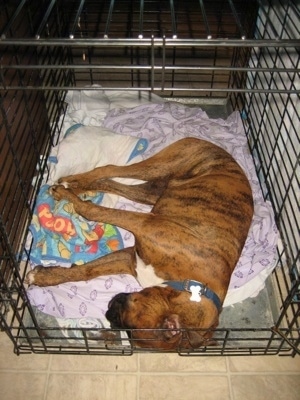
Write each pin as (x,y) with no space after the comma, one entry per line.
(60,235)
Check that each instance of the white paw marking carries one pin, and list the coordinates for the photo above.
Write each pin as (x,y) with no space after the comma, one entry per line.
(30,277)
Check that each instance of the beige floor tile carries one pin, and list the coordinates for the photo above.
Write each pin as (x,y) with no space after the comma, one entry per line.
(266,387)
(264,364)
(20,386)
(176,363)
(28,362)
(178,387)
(95,363)
(91,387)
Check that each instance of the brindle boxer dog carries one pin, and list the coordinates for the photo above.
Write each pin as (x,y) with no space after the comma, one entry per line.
(187,246)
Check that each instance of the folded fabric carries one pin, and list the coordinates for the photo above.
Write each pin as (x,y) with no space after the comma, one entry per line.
(89,107)
(84,148)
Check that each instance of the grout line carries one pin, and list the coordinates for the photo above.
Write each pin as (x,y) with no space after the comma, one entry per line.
(266,373)
(162,373)
(184,373)
(138,377)
(48,376)
(231,395)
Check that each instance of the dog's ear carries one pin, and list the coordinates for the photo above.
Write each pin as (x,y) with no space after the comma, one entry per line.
(195,338)
(198,339)
(202,338)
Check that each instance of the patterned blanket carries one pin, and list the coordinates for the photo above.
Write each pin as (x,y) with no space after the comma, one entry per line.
(62,236)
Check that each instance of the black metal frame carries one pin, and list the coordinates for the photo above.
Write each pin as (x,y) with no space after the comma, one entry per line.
(244,55)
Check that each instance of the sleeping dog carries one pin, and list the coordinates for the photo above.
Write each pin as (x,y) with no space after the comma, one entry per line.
(185,249)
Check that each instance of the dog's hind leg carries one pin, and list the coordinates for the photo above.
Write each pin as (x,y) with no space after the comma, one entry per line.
(164,165)
(146,193)
(118,262)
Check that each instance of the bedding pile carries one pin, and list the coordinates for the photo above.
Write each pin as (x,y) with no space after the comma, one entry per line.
(118,128)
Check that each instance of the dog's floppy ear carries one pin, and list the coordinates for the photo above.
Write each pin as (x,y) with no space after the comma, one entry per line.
(198,339)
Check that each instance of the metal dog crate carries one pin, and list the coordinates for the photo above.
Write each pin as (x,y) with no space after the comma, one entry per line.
(223,55)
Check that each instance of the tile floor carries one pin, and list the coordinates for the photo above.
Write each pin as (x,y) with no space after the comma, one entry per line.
(146,377)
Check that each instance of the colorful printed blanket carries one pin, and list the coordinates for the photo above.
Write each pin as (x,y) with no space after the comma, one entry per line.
(62,236)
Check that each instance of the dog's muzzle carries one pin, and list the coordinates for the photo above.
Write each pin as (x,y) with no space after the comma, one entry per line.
(115,309)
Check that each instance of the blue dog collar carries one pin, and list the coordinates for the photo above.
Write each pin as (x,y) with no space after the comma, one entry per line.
(197,289)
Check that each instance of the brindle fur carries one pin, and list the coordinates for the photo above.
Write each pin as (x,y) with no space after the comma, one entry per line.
(202,210)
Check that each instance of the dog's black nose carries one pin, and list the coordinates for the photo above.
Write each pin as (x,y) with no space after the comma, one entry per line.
(115,308)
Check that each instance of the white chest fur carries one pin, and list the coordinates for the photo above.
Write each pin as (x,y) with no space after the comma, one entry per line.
(146,274)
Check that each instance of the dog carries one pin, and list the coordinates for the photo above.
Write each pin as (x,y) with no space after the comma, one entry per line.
(185,249)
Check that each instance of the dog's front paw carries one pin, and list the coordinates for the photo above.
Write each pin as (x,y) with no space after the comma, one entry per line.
(31,276)
(47,276)
(59,192)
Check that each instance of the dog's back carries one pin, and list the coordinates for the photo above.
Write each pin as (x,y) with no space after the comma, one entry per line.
(207,204)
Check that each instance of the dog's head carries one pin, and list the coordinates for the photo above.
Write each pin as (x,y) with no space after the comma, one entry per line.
(164,318)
